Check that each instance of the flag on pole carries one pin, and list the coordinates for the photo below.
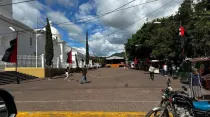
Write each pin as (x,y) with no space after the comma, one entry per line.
(69,58)
(181,31)
(11,53)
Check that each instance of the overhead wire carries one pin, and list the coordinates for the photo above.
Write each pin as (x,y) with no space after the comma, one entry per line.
(87,19)
(133,22)
(101,14)
(1,5)
(117,9)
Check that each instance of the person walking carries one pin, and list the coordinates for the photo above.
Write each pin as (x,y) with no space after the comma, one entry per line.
(84,73)
(151,70)
(165,69)
(195,84)
(173,70)
(67,73)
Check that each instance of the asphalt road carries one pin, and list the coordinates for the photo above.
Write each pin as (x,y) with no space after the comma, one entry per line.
(106,92)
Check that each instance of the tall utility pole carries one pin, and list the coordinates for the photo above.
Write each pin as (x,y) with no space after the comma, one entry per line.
(87,50)
(36,42)
(125,57)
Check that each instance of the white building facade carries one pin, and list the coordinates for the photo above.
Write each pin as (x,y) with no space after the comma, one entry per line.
(31,43)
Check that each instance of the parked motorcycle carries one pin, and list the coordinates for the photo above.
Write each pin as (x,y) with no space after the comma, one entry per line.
(189,107)
(180,105)
(161,110)
(166,104)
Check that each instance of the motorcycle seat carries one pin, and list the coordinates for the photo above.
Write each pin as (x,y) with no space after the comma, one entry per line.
(202,105)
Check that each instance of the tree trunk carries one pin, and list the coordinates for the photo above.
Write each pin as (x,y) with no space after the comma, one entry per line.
(49,69)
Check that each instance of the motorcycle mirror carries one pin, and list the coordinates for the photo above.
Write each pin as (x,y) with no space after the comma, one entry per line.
(184,88)
(7,104)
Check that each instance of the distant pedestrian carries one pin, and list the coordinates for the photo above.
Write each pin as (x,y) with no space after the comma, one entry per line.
(152,70)
(165,69)
(170,70)
(173,70)
(67,73)
(84,73)
(195,84)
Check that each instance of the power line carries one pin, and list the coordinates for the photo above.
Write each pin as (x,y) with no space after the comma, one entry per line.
(16,3)
(83,20)
(137,5)
(101,15)
(134,22)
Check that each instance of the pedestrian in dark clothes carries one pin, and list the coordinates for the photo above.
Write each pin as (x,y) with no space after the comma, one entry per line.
(84,73)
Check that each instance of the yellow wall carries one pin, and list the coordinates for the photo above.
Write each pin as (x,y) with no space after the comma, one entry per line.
(38,72)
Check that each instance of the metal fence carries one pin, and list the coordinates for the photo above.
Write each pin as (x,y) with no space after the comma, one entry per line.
(23,61)
(30,61)
(26,61)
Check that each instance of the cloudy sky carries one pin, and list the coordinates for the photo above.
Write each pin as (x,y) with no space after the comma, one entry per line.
(73,17)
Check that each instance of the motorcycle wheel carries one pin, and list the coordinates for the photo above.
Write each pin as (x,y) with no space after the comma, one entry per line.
(156,113)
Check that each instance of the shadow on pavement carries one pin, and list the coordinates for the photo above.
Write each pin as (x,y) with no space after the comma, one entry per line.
(35,80)
(57,77)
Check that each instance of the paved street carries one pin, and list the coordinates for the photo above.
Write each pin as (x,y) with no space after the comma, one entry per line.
(106,92)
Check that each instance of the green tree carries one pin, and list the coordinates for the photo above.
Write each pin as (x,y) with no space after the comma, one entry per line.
(49,52)
(161,41)
(87,50)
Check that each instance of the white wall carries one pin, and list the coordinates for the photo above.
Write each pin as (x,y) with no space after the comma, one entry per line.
(6,10)
(57,50)
(23,39)
(41,46)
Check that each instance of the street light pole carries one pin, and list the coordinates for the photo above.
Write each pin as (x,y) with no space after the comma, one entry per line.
(16,64)
(36,40)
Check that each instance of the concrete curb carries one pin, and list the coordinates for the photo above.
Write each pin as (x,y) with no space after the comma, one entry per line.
(80,114)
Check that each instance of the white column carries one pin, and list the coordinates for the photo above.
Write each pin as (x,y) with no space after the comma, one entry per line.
(58,62)
(61,46)
(43,60)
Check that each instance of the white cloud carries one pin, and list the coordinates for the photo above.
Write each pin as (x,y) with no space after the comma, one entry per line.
(27,13)
(85,8)
(84,12)
(124,18)
(103,47)
(73,30)
(81,50)
(65,3)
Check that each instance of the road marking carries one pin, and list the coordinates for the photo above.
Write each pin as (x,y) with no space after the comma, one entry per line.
(80,114)
(114,101)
